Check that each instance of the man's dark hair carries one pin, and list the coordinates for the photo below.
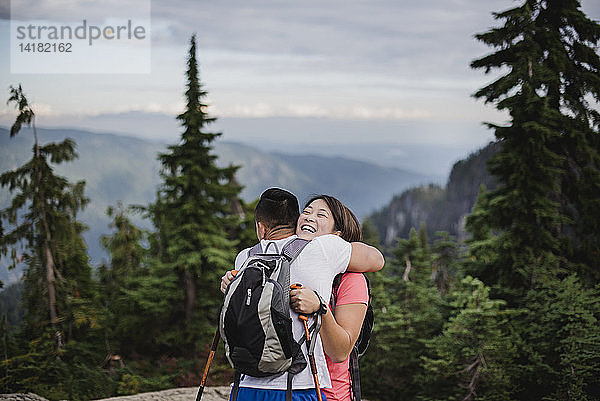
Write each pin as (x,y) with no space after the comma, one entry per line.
(277,208)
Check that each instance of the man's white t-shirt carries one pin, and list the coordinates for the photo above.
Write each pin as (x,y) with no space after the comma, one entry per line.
(316,266)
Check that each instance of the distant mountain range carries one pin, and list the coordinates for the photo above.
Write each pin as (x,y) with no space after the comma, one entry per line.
(120,168)
(440,208)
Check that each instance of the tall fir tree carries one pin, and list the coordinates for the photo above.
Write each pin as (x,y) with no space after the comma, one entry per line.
(127,265)
(40,229)
(545,211)
(570,79)
(192,216)
(541,223)
(524,211)
(43,227)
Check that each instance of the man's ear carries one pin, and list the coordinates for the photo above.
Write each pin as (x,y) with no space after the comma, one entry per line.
(261,230)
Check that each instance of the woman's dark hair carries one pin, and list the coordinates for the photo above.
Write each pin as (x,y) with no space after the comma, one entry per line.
(344,220)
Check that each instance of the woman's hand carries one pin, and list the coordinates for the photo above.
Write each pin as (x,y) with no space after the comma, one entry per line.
(304,300)
(226,279)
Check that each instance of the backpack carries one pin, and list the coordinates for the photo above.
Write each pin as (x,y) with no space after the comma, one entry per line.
(255,321)
(362,343)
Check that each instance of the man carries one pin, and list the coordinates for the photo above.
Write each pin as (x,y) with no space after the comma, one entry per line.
(276,215)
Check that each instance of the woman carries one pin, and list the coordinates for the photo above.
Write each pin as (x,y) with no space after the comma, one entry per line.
(322,215)
(339,332)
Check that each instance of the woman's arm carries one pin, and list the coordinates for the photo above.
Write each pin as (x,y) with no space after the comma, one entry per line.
(339,332)
(365,258)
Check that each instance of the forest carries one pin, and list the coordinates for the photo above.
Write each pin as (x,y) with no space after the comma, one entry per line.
(510,312)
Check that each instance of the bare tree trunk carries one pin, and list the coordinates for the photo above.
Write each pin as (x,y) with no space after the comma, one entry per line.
(50,282)
(475,370)
(50,274)
(190,295)
(407,270)
(236,205)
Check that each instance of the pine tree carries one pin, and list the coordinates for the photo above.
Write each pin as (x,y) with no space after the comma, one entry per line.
(561,358)
(194,212)
(444,262)
(41,230)
(407,251)
(524,210)
(43,227)
(118,279)
(369,234)
(543,215)
(473,358)
(406,313)
(541,223)
(571,79)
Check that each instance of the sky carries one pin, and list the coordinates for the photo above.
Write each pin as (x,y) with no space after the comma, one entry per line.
(381,80)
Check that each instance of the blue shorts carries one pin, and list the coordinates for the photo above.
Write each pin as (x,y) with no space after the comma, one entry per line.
(259,394)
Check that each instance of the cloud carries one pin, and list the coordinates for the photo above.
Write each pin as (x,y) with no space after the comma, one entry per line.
(381,59)
(4,10)
(68,11)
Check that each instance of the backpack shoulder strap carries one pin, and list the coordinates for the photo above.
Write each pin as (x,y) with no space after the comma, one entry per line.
(354,375)
(292,249)
(256,249)
(337,280)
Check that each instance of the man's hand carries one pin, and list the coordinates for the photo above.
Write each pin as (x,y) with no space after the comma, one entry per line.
(304,300)
(226,279)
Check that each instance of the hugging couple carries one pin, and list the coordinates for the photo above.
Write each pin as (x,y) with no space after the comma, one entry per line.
(334,249)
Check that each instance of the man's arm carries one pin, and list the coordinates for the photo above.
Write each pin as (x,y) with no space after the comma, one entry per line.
(365,258)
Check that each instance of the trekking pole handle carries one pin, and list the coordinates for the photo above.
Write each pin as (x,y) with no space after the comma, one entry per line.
(311,358)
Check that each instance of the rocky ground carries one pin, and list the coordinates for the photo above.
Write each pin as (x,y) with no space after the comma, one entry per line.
(176,394)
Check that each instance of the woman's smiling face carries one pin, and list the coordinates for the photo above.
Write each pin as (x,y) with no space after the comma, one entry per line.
(316,219)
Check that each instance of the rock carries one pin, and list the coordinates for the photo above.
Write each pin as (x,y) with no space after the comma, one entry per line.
(22,397)
(175,394)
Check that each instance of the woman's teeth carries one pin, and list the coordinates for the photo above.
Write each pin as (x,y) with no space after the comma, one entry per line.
(308,228)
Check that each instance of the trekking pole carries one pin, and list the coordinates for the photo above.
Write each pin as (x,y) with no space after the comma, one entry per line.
(311,357)
(211,355)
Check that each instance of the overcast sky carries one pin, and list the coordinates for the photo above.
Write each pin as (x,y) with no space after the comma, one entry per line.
(390,63)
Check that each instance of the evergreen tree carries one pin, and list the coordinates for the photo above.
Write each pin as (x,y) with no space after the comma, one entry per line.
(444,263)
(369,234)
(561,358)
(473,358)
(541,223)
(245,232)
(524,209)
(194,214)
(43,227)
(407,251)
(41,230)
(406,313)
(570,79)
(543,214)
(118,279)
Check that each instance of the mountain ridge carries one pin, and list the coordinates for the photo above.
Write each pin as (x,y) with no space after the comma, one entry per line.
(123,168)
(440,208)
